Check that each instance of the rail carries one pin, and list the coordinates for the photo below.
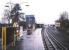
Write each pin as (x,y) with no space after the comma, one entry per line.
(50,42)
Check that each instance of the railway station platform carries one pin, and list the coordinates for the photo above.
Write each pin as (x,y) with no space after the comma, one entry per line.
(29,42)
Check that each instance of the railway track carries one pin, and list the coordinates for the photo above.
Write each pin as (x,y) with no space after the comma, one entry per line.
(56,38)
(50,42)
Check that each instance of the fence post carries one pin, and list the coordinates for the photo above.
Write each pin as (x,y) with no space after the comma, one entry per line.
(3,38)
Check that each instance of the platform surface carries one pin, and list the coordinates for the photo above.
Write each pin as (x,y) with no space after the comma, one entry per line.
(30,42)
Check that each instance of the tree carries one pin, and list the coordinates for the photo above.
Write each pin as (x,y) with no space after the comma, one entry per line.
(64,16)
(15,13)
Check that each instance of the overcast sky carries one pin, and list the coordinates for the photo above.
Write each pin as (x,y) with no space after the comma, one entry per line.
(45,11)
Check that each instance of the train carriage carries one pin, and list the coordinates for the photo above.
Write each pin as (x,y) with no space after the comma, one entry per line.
(30,23)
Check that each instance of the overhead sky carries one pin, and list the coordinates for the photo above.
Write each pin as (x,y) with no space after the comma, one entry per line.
(45,11)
